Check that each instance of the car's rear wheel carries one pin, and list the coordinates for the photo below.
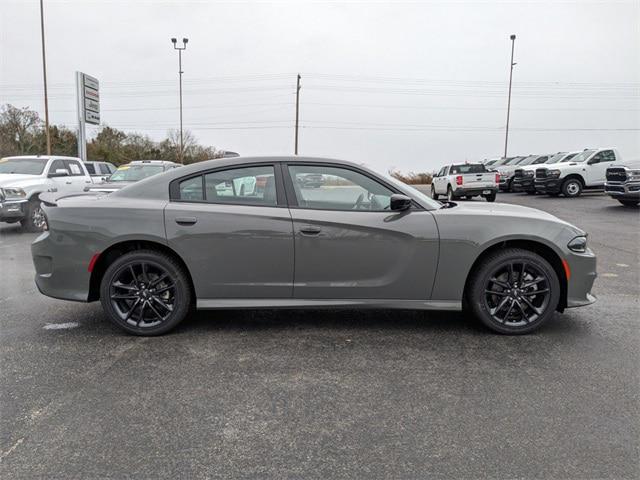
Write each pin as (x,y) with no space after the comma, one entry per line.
(434,195)
(450,196)
(34,219)
(145,292)
(629,203)
(572,187)
(514,291)
(491,197)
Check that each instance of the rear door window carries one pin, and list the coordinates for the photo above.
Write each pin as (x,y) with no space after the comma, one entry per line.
(90,168)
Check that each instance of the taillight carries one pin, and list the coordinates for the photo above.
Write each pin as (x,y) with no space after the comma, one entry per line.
(459,180)
(497,178)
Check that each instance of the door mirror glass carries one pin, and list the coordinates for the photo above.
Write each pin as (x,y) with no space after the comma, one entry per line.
(400,202)
(59,172)
(595,159)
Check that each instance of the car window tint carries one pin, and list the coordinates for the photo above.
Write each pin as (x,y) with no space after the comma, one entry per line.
(191,189)
(247,185)
(335,188)
(468,168)
(104,169)
(90,168)
(57,165)
(607,156)
(74,168)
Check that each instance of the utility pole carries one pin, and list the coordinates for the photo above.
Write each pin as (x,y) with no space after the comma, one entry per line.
(180,72)
(511,65)
(297,113)
(44,74)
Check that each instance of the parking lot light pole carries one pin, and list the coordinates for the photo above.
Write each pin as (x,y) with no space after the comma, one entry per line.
(44,74)
(180,72)
(511,65)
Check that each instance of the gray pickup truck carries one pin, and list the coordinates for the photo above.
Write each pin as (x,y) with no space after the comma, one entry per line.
(623,183)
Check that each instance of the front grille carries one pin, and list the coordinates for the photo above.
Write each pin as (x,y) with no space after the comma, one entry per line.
(519,173)
(616,174)
(541,173)
(614,188)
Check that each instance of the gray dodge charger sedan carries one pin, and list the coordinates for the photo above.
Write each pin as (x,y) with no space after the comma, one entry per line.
(253,233)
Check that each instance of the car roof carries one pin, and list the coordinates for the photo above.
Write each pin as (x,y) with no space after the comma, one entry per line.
(44,157)
(152,162)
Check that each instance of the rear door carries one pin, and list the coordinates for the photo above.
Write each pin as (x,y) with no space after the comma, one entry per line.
(349,244)
(236,242)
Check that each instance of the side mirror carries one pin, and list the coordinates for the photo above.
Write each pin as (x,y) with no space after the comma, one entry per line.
(400,202)
(594,160)
(60,172)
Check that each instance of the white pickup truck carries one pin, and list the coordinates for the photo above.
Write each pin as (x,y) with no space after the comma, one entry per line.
(465,180)
(587,170)
(23,178)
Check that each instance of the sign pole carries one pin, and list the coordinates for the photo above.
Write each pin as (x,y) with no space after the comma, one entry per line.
(82,133)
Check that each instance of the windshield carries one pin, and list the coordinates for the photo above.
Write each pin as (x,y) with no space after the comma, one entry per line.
(556,158)
(582,156)
(513,160)
(135,173)
(571,156)
(528,160)
(24,166)
(468,168)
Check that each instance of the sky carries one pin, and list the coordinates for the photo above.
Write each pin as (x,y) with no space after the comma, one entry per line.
(394,85)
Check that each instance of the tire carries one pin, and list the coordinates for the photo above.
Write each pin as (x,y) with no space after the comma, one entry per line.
(491,197)
(152,302)
(530,192)
(434,195)
(34,220)
(493,271)
(450,196)
(629,203)
(572,187)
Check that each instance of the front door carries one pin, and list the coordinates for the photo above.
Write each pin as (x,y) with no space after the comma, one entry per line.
(233,230)
(349,244)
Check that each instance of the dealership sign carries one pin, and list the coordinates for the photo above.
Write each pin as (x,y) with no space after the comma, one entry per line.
(88,107)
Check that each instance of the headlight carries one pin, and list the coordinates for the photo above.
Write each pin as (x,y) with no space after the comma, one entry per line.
(14,193)
(553,173)
(634,174)
(578,244)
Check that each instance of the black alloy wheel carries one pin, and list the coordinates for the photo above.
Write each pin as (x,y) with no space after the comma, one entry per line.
(145,293)
(514,291)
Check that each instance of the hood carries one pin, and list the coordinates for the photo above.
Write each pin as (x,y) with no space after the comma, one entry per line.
(17,180)
(507,210)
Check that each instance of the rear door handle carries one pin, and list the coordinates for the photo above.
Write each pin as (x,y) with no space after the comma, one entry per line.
(310,230)
(186,220)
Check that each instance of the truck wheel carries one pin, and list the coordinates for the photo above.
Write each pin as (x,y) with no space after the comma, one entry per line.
(572,187)
(629,203)
(434,195)
(513,291)
(491,197)
(450,196)
(34,220)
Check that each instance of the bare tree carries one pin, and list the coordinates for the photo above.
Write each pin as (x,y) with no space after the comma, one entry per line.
(19,128)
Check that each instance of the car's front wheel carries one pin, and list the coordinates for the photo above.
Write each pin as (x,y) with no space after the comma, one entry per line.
(514,291)
(34,219)
(145,292)
(572,187)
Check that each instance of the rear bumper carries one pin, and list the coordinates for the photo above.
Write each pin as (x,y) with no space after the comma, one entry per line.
(548,185)
(12,210)
(523,184)
(462,192)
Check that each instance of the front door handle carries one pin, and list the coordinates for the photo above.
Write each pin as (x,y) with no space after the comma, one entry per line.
(68,183)
(186,220)
(310,230)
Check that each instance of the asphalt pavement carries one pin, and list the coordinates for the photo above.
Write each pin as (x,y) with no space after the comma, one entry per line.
(341,394)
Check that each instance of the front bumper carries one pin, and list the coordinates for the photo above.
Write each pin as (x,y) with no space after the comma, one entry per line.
(523,184)
(630,190)
(548,185)
(583,274)
(13,210)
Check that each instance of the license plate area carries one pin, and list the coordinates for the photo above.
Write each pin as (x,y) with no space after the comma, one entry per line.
(486,192)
